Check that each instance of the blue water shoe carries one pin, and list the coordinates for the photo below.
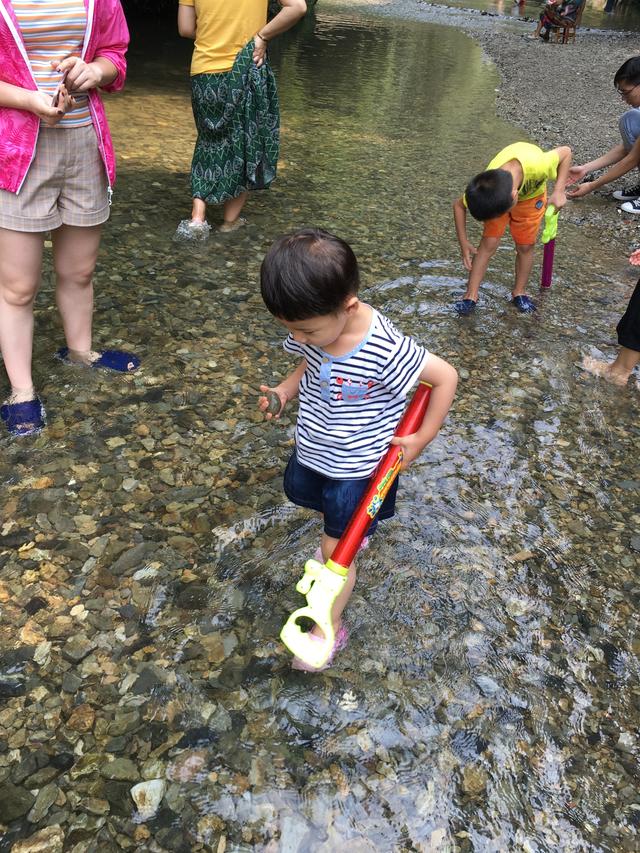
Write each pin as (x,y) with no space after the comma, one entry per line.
(23,418)
(109,359)
(464,307)
(524,304)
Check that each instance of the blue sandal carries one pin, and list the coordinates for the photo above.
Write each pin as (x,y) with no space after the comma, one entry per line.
(524,304)
(465,306)
(110,359)
(24,418)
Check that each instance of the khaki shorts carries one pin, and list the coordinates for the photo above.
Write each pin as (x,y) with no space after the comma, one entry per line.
(66,184)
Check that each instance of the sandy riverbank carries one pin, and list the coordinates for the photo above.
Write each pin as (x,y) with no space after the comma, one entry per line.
(559,94)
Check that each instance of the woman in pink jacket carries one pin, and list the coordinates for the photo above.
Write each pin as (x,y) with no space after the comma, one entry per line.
(56,174)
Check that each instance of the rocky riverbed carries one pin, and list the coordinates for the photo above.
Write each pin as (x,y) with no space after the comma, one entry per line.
(488,698)
(558,94)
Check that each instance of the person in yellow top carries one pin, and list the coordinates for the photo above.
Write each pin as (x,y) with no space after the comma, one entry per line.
(512,191)
(235,104)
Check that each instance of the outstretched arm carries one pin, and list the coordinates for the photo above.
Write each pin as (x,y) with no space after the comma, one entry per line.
(621,168)
(443,379)
(577,173)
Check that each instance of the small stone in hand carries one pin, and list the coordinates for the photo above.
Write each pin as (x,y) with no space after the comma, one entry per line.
(274,404)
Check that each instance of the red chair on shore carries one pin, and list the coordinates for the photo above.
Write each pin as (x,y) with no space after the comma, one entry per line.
(566,31)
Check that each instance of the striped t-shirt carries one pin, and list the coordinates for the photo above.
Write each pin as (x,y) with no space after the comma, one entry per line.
(350,405)
(53,29)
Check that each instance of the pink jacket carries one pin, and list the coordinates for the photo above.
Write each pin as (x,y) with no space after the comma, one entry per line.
(107,36)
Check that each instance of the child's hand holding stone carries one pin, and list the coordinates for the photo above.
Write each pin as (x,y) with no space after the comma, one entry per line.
(272,402)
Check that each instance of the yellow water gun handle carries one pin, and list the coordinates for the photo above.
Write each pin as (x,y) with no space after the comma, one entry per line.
(550,228)
(321,584)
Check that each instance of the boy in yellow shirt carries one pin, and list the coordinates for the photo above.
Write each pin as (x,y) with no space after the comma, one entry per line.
(512,191)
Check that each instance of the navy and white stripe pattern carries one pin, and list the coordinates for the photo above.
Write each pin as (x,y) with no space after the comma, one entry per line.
(351,405)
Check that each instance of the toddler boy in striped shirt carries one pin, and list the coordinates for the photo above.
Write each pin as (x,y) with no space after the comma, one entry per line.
(352,381)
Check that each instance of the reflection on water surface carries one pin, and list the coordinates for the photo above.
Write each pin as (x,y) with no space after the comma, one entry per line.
(489,697)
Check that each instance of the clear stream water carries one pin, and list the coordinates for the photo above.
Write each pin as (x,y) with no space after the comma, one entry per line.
(489,697)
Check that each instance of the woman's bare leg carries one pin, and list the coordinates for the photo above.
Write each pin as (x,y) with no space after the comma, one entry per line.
(198,210)
(233,207)
(20,271)
(617,371)
(75,252)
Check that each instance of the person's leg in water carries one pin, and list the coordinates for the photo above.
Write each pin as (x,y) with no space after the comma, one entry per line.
(199,210)
(231,212)
(628,329)
(232,209)
(20,271)
(327,546)
(524,265)
(525,219)
(75,252)
(617,371)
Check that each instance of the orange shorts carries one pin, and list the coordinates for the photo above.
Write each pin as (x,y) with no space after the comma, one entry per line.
(523,220)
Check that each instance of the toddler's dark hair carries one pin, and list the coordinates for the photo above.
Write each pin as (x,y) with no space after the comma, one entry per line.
(628,72)
(308,274)
(489,194)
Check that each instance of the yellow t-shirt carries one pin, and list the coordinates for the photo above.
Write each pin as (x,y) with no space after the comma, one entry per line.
(223,27)
(538,167)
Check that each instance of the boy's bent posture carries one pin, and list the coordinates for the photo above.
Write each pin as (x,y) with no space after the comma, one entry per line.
(511,191)
(354,375)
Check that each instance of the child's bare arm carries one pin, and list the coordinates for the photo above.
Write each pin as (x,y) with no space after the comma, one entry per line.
(621,168)
(558,197)
(286,390)
(443,379)
(460,219)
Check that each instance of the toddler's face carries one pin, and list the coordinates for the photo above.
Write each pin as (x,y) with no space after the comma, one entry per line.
(319,331)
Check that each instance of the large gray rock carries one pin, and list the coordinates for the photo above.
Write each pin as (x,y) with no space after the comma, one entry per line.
(15,802)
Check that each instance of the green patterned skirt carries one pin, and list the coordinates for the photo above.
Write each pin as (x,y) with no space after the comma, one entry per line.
(238,123)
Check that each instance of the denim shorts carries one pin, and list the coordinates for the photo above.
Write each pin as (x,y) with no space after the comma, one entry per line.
(335,499)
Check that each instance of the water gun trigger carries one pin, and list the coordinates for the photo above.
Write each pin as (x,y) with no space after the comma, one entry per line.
(312,572)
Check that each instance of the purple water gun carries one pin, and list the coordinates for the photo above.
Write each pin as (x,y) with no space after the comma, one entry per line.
(549,242)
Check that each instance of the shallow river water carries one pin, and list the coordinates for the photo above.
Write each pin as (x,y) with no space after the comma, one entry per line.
(489,697)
